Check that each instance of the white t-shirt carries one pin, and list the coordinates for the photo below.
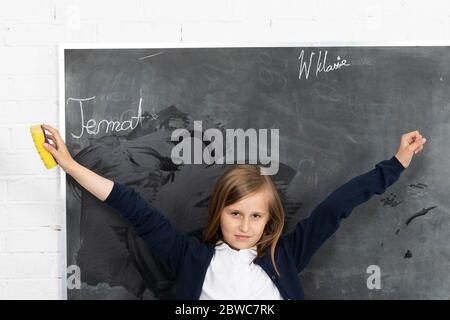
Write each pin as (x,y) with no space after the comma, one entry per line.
(232,275)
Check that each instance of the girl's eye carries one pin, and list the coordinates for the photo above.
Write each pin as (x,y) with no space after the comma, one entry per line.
(235,213)
(257,216)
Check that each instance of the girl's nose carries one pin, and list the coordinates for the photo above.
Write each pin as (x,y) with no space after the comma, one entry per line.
(244,225)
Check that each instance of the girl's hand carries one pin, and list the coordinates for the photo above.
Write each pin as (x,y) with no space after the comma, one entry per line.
(58,149)
(411,143)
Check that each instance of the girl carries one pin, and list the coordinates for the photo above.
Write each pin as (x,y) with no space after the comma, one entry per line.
(243,254)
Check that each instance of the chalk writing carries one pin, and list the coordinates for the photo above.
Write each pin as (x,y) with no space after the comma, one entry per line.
(93,127)
(321,64)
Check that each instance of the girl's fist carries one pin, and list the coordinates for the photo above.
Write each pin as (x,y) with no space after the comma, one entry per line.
(411,143)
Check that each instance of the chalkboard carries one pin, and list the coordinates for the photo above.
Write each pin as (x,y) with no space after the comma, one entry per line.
(338,111)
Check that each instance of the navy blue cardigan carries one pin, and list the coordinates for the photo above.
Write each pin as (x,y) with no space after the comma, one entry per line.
(188,258)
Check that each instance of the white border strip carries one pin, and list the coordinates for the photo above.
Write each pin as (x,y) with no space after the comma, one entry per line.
(251,45)
(63,210)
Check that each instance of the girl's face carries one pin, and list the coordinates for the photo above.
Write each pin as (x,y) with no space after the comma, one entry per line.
(242,223)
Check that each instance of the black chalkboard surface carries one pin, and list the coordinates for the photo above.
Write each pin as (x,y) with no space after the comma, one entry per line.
(338,111)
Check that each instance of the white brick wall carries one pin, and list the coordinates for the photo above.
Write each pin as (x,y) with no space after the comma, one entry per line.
(24,112)
(33,289)
(2,191)
(140,32)
(25,10)
(31,256)
(29,265)
(98,10)
(221,31)
(27,215)
(43,240)
(2,241)
(197,10)
(21,60)
(4,139)
(4,87)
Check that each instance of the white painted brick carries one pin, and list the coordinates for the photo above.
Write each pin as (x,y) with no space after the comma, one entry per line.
(381,30)
(2,241)
(34,189)
(210,10)
(34,289)
(387,29)
(34,87)
(436,29)
(139,32)
(24,241)
(33,34)
(232,32)
(48,34)
(2,190)
(26,10)
(21,137)
(430,10)
(337,9)
(382,8)
(24,163)
(71,11)
(4,138)
(29,265)
(269,9)
(84,32)
(28,215)
(27,112)
(2,34)
(28,60)
(355,9)
(356,30)
(4,219)
(299,32)
(4,87)
(3,290)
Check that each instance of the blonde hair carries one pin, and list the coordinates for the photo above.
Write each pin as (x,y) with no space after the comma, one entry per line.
(236,183)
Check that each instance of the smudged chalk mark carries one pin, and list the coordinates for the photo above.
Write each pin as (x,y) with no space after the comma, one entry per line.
(423,184)
(419,185)
(351,138)
(130,157)
(152,55)
(391,201)
(408,254)
(424,211)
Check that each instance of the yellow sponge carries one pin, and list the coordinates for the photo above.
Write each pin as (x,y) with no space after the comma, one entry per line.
(38,135)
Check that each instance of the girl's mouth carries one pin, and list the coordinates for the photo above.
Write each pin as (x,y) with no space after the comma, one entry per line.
(239,237)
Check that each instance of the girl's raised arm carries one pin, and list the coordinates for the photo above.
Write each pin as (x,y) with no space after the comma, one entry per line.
(312,232)
(155,229)
(91,181)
